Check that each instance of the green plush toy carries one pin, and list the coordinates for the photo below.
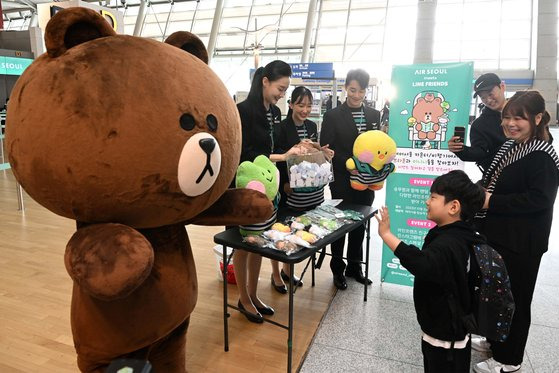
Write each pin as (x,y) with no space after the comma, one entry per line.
(261,175)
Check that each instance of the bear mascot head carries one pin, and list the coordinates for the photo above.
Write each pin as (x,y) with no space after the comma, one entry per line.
(133,139)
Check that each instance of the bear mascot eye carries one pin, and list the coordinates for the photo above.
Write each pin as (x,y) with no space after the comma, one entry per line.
(187,122)
(211,121)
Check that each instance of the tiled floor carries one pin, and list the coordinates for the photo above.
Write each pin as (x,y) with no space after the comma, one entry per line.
(382,334)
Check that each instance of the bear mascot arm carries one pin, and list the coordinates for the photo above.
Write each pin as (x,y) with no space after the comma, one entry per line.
(129,254)
(236,207)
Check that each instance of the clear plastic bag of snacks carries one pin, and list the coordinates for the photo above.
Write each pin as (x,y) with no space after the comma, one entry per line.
(309,172)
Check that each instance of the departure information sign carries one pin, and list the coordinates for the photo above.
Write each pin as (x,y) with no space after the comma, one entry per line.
(312,70)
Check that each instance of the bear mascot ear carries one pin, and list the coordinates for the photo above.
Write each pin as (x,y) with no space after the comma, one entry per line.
(189,43)
(74,26)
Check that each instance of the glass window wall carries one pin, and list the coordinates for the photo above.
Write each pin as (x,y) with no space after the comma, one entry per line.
(495,34)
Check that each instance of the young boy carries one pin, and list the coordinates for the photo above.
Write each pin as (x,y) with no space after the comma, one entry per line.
(441,269)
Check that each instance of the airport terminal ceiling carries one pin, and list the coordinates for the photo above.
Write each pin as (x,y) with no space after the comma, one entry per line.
(372,34)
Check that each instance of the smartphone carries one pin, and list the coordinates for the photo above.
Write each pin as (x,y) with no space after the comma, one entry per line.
(460,132)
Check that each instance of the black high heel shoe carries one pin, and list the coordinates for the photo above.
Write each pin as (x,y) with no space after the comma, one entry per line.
(296,281)
(252,317)
(282,289)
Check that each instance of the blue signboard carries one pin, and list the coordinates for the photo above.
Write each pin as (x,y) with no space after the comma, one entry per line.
(312,70)
(316,71)
(13,65)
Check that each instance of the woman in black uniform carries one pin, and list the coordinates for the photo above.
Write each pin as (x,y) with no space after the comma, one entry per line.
(259,115)
(290,132)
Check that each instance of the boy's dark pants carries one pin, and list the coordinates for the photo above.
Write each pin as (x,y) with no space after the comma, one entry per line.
(438,359)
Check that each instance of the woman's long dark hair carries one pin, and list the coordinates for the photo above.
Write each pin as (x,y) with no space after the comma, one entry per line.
(297,96)
(527,105)
(275,70)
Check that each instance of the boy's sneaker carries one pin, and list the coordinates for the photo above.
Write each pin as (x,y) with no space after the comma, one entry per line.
(480,344)
(493,366)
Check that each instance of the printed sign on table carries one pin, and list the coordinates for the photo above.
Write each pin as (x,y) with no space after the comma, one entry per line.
(430,101)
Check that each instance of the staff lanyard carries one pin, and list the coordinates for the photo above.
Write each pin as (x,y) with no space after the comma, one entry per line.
(305,131)
(271,122)
(361,118)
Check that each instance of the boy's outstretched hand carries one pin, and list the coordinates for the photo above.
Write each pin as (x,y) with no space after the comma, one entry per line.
(383,219)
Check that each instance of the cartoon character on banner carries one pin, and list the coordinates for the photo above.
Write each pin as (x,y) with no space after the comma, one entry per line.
(132,157)
(373,153)
(428,124)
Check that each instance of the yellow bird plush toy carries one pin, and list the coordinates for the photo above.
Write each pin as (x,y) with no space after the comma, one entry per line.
(373,152)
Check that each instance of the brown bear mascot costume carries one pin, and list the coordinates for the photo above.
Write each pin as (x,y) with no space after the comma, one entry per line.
(133,139)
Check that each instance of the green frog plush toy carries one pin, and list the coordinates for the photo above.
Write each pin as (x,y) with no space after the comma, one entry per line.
(261,175)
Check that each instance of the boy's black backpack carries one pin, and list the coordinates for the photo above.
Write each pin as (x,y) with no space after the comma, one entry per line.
(492,301)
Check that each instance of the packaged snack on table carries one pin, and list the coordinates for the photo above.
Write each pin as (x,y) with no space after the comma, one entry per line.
(308,237)
(330,224)
(319,231)
(275,235)
(287,247)
(297,225)
(281,227)
(297,240)
(333,211)
(352,215)
(256,240)
(304,219)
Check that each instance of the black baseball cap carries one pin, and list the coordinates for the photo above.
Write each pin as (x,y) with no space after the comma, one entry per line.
(486,82)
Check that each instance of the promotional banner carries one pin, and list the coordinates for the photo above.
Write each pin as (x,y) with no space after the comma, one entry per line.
(9,66)
(430,101)
(14,65)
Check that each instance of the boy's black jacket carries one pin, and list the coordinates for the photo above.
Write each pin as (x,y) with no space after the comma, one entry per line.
(440,269)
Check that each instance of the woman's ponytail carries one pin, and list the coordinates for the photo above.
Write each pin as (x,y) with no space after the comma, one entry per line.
(255,92)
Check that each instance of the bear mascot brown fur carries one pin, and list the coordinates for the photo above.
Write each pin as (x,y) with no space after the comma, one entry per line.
(133,139)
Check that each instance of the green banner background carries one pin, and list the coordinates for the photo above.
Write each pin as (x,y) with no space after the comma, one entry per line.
(430,100)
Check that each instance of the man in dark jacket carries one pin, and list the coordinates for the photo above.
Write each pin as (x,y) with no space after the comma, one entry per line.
(340,128)
(486,134)
(441,270)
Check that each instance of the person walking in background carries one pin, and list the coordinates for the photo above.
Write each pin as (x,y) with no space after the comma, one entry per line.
(441,269)
(329,102)
(259,114)
(521,185)
(294,129)
(486,134)
(340,128)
